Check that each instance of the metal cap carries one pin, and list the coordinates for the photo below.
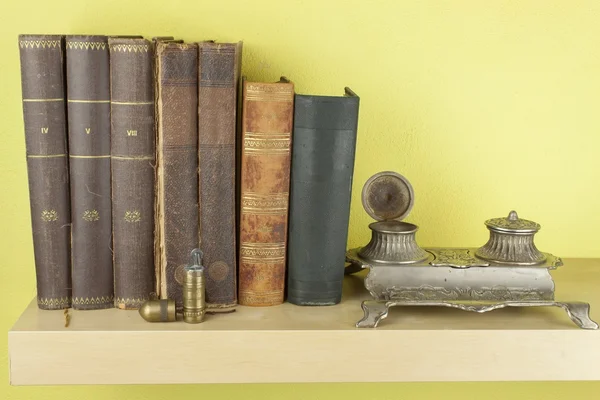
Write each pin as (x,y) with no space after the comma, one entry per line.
(512,224)
(387,196)
(159,310)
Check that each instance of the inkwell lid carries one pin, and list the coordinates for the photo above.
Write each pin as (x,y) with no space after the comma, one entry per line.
(512,224)
(388,196)
(511,241)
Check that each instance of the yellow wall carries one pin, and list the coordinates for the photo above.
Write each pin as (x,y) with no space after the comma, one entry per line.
(485,106)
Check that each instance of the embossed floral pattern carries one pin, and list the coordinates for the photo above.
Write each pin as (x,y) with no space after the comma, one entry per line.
(460,258)
(519,224)
(91,215)
(133,216)
(49,215)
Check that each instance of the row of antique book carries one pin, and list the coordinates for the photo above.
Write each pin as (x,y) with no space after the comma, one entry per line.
(139,151)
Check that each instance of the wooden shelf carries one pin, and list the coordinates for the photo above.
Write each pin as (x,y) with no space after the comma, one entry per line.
(288,343)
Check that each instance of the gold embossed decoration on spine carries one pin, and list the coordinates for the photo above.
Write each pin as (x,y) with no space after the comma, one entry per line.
(88,100)
(132,169)
(265,183)
(44,118)
(194,282)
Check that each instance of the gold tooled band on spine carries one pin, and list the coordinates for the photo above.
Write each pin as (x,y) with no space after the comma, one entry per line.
(44,116)
(132,164)
(265,183)
(88,101)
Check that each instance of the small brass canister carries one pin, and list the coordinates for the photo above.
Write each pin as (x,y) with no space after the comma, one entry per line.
(159,310)
(194,303)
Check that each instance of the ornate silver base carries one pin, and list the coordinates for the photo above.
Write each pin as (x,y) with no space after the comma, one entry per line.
(375,310)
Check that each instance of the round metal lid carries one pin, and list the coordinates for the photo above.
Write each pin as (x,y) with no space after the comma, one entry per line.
(512,224)
(387,196)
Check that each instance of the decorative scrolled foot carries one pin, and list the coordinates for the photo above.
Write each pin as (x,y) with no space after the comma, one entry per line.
(374,311)
(355,265)
(352,268)
(579,313)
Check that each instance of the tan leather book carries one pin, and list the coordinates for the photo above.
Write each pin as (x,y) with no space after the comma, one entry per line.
(88,116)
(44,117)
(177,164)
(264,191)
(218,82)
(132,163)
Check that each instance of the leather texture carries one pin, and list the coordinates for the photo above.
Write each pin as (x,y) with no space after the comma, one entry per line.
(44,116)
(324,139)
(177,164)
(265,181)
(219,75)
(132,162)
(157,195)
(88,96)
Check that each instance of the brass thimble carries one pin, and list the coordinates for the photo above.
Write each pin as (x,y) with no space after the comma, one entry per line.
(194,302)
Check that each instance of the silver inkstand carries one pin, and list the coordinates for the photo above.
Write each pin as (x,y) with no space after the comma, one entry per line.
(508,271)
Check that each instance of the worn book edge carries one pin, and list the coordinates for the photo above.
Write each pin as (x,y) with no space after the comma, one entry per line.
(31,42)
(265,91)
(132,44)
(160,255)
(86,43)
(237,46)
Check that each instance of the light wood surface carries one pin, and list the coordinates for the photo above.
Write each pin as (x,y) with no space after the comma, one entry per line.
(288,343)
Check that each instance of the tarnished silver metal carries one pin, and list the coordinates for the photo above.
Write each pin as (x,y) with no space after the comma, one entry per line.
(511,241)
(439,277)
(375,311)
(509,271)
(393,242)
(455,277)
(388,196)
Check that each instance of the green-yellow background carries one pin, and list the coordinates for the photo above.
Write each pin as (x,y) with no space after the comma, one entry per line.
(485,106)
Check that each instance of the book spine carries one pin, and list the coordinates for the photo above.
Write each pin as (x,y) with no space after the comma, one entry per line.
(44,117)
(157,233)
(265,181)
(132,163)
(88,101)
(321,185)
(177,164)
(218,80)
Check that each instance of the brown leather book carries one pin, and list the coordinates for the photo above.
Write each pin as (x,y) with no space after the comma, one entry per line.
(157,253)
(88,99)
(44,116)
(132,163)
(265,182)
(218,81)
(177,163)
